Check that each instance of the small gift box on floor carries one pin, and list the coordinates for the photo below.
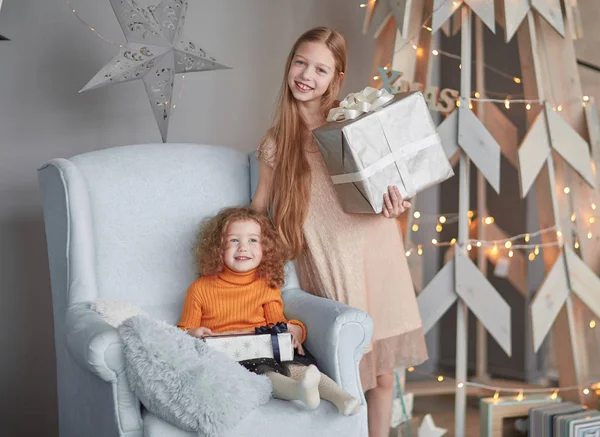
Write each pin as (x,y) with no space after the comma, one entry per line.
(494,412)
(374,140)
(272,344)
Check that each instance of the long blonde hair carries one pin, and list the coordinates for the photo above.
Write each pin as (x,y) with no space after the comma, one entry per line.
(291,176)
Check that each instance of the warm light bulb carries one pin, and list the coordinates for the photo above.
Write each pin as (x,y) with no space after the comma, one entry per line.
(489,220)
(439,227)
(440,378)
(577,245)
(375,77)
(573,217)
(558,234)
(415,227)
(586,98)
(460,66)
(469,247)
(508,244)
(414,46)
(453,241)
(537,250)
(528,106)
(510,254)
(417,214)
(460,385)
(362,5)
(411,369)
(435,52)
(470,105)
(586,391)
(408,253)
(494,250)
(385,68)
(554,395)
(594,206)
(567,190)
(517,80)
(442,219)
(434,241)
(592,220)
(589,235)
(520,396)
(592,324)
(531,256)
(458,103)
(470,214)
(496,395)
(477,95)
(420,250)
(479,244)
(559,108)
(507,104)
(527,238)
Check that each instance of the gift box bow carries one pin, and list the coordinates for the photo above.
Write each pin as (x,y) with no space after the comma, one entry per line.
(371,100)
(357,104)
(273,330)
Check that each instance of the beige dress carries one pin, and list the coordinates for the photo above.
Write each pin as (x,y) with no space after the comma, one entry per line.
(359,259)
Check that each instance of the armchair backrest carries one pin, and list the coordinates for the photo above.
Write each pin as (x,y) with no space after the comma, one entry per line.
(127,219)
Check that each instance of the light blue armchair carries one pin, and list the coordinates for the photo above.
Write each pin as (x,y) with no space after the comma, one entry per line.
(120,224)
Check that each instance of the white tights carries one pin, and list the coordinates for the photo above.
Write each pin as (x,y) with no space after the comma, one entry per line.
(308,385)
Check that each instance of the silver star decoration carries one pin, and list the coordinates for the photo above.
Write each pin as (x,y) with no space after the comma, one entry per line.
(247,345)
(155,51)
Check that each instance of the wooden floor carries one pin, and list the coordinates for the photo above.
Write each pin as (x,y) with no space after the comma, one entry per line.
(438,400)
(441,408)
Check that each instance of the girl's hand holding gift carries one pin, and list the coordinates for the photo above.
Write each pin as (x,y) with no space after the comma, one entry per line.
(393,204)
(296,332)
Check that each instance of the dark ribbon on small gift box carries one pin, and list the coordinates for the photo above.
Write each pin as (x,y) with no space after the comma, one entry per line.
(273,329)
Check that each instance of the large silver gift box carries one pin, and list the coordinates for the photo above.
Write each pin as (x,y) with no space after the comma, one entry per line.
(247,347)
(395,144)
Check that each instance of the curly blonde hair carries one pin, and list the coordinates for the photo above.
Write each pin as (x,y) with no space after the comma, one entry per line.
(210,246)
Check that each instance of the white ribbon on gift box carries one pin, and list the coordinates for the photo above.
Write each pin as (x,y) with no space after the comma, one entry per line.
(357,104)
(369,100)
(397,157)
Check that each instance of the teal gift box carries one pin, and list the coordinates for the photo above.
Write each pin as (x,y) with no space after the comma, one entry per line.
(493,412)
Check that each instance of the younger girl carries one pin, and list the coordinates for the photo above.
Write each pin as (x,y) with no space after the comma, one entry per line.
(358,259)
(240,260)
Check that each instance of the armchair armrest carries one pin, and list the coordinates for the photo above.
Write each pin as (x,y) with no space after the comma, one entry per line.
(336,334)
(94,344)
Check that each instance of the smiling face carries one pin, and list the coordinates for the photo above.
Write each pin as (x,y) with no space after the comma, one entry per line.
(311,71)
(243,250)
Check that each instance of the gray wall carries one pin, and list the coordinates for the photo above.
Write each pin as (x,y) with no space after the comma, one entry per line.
(42,116)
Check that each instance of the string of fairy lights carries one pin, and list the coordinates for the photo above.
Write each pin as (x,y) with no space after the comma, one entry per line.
(518,394)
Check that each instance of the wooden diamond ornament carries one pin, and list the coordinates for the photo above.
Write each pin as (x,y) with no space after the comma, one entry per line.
(550,131)
(463,129)
(515,12)
(444,9)
(568,274)
(155,51)
(460,278)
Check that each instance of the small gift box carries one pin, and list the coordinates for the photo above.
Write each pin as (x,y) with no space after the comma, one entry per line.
(267,342)
(375,139)
(494,412)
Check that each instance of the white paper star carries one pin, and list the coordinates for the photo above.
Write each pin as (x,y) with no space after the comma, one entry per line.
(155,51)
(428,428)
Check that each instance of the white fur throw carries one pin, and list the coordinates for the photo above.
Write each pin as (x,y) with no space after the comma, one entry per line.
(183,381)
(116,312)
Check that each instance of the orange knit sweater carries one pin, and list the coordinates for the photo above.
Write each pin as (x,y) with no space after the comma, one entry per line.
(231,301)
